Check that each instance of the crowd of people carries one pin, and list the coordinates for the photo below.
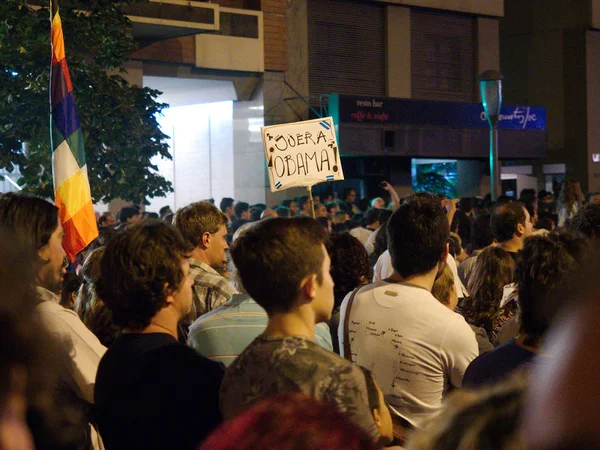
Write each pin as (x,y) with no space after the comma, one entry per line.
(423,322)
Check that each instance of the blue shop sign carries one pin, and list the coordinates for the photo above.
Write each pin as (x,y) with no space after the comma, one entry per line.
(398,111)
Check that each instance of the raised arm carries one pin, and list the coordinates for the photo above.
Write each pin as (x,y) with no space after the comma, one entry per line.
(395,199)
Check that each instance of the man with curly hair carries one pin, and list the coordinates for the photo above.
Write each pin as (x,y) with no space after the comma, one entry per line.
(283,264)
(151,391)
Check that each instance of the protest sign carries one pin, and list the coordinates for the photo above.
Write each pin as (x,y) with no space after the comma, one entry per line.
(302,153)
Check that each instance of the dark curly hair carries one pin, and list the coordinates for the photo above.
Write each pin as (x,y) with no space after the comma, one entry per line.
(93,311)
(350,266)
(546,263)
(493,269)
(587,221)
(481,233)
(380,244)
(136,266)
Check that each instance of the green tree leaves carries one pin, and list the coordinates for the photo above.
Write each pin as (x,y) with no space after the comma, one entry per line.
(118,119)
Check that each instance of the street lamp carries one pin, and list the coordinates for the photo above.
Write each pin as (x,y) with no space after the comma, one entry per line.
(490,83)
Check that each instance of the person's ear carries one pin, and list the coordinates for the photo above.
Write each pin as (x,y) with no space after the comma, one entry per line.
(308,288)
(520,229)
(205,240)
(43,253)
(377,418)
(168,295)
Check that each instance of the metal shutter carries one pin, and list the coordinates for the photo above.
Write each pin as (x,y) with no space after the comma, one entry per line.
(443,56)
(346,48)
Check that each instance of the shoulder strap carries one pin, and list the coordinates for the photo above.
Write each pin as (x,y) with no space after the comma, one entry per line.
(347,354)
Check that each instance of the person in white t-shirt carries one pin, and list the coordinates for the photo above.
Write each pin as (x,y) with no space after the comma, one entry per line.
(415,346)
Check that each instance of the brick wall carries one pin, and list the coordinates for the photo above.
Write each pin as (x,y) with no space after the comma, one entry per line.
(275,34)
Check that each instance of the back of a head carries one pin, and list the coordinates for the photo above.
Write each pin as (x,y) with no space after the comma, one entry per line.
(350,266)
(255,214)
(104,218)
(340,217)
(384,216)
(444,286)
(198,218)
(240,208)
(331,207)
(587,221)
(90,271)
(283,211)
(570,193)
(164,211)
(380,244)
(31,219)
(455,245)
(547,262)
(289,422)
(127,212)
(347,193)
(226,202)
(371,216)
(90,308)
(493,269)
(505,219)
(466,204)
(527,196)
(274,256)
(136,266)
(301,201)
(418,232)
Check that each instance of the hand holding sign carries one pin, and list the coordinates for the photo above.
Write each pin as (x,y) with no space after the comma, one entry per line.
(301,153)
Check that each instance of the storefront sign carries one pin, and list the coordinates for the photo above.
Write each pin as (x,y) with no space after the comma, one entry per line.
(397,111)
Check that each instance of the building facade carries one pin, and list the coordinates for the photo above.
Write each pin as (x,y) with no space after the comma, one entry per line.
(276,61)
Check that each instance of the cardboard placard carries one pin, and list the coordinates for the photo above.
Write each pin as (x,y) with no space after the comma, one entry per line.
(301,153)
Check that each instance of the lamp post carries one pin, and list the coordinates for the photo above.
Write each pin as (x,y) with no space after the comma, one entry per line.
(490,83)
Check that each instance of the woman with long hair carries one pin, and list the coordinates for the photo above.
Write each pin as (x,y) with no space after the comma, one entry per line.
(494,268)
(569,201)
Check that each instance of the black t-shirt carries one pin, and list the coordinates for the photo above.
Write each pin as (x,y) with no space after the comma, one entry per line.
(154,393)
(495,365)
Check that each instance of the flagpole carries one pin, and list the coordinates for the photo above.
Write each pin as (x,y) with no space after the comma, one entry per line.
(311,201)
(50,87)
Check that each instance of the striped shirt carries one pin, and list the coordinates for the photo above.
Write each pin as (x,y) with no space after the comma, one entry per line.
(224,333)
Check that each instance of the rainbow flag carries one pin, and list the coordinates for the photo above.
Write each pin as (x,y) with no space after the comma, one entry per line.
(71,185)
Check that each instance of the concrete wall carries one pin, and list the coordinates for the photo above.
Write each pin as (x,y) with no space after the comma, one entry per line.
(398,81)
